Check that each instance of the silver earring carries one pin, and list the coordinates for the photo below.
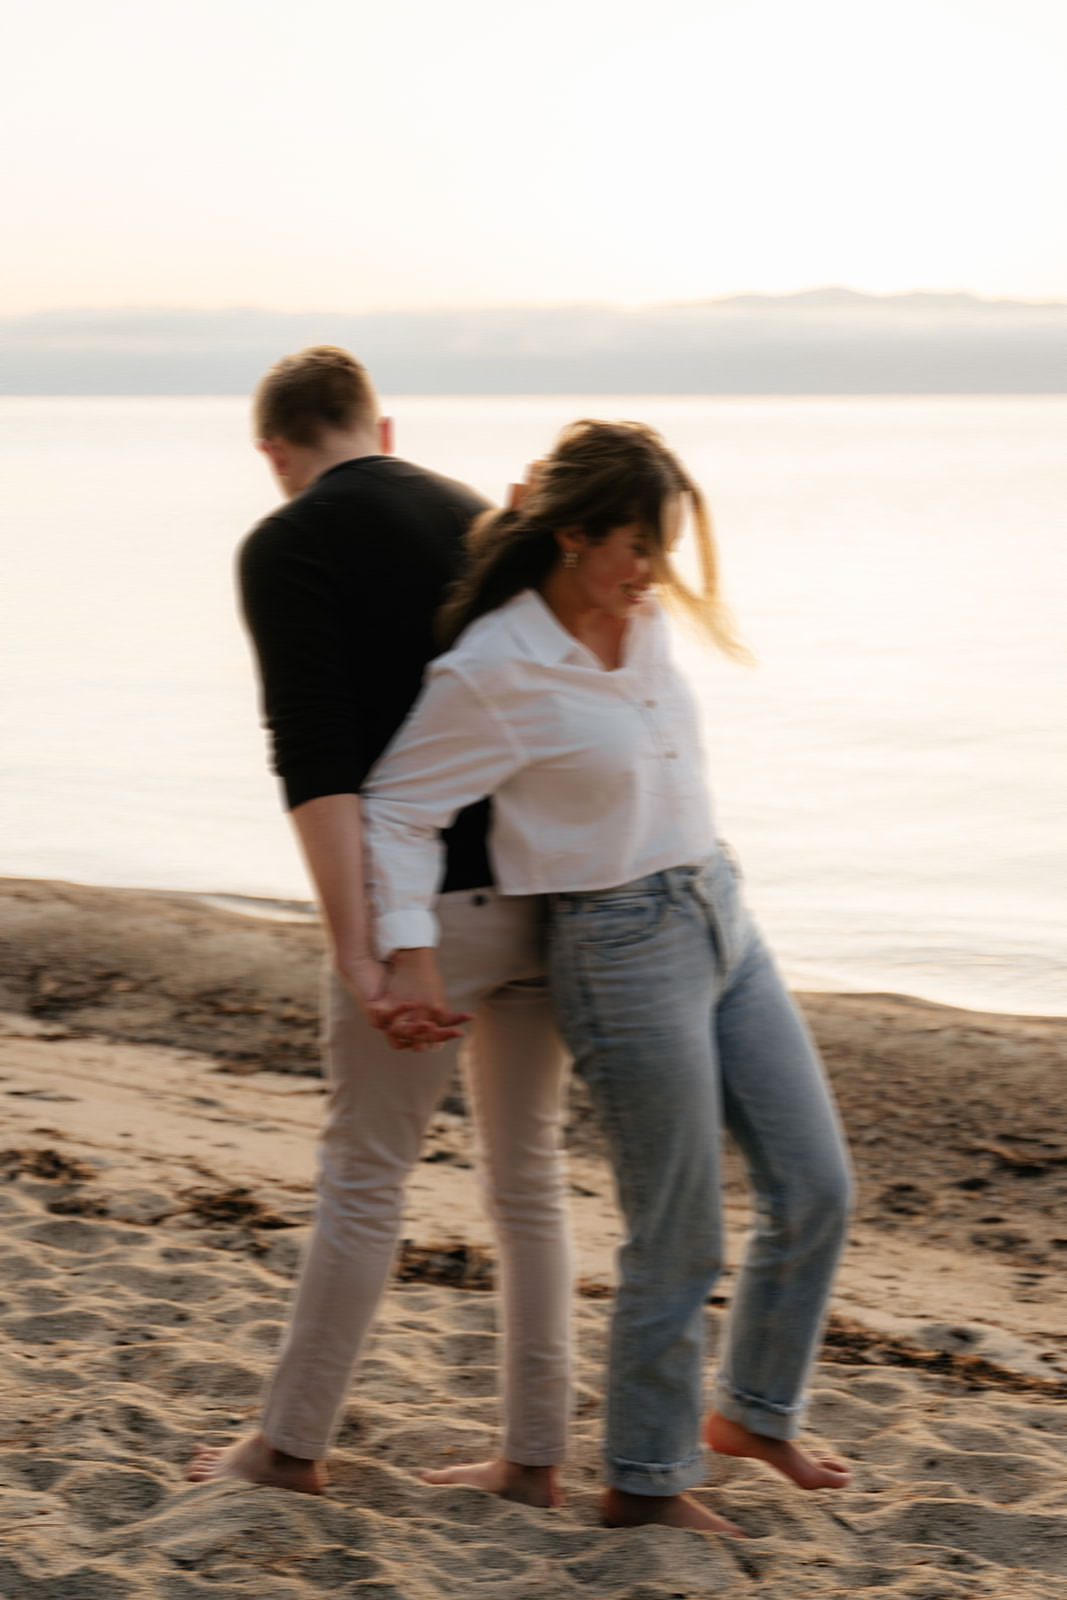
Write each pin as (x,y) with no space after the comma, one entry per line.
(570,558)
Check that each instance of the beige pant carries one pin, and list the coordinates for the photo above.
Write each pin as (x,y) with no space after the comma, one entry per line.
(380,1101)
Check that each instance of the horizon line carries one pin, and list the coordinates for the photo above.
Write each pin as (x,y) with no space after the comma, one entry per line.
(429,308)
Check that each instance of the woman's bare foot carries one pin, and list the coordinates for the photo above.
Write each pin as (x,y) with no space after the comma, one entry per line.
(257,1462)
(808,1472)
(622,1510)
(531,1486)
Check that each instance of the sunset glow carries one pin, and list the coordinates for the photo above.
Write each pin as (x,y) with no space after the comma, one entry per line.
(340,156)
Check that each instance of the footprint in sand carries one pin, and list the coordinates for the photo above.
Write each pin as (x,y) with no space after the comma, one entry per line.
(103,1497)
(1001,1477)
(81,1237)
(58,1327)
(468,1349)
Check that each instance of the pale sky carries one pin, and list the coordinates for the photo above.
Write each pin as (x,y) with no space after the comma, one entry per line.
(344,155)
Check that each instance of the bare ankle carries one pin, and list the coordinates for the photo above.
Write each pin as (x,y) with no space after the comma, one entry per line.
(619,1509)
(534,1485)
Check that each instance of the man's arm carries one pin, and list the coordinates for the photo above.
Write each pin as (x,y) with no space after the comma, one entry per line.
(330,831)
(289,597)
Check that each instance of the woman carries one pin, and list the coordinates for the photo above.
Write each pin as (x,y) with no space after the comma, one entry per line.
(560,699)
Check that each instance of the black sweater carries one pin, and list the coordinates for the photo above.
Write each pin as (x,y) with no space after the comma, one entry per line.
(340,587)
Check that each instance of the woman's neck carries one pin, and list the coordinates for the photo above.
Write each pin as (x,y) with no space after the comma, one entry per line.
(597,629)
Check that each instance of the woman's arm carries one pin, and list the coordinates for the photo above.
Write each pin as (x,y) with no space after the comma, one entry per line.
(454,749)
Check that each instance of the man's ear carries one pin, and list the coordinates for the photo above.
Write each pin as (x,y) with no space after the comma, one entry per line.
(386,433)
(273,449)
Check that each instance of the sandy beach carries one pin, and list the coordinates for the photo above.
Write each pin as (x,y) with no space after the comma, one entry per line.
(158,1071)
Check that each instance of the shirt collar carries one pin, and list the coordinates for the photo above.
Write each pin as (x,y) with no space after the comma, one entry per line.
(540,630)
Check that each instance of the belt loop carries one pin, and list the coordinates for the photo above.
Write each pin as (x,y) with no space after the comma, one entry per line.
(701,887)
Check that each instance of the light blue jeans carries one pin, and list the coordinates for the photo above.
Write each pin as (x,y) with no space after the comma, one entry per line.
(680,1024)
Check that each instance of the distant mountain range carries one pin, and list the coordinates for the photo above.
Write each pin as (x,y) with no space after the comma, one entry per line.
(821,341)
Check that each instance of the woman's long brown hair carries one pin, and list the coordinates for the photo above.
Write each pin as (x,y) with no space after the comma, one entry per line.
(599,476)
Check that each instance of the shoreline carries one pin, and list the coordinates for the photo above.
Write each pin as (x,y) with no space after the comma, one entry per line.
(954,1116)
(284,910)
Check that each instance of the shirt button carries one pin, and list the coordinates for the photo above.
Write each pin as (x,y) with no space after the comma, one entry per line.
(651,703)
(671,755)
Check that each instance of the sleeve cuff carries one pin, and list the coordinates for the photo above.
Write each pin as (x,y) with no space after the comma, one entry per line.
(405,930)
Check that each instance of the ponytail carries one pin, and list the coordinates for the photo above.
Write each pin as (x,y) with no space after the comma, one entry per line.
(508,553)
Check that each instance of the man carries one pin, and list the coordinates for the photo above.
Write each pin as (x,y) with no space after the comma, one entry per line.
(340,586)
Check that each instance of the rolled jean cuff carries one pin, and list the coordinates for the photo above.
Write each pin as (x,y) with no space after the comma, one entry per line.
(760,1416)
(655,1478)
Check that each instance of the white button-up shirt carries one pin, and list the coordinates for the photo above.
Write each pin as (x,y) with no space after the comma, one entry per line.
(597,777)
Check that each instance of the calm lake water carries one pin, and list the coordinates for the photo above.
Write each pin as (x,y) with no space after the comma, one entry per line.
(892,772)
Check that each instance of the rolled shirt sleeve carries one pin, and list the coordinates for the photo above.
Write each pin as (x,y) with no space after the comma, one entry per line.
(455,748)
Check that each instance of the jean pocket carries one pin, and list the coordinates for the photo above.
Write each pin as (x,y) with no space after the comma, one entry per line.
(612,924)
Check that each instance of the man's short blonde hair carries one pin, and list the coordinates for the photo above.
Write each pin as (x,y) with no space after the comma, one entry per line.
(323,389)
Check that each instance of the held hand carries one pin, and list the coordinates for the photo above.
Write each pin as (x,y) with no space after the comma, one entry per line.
(419,1029)
(412,1008)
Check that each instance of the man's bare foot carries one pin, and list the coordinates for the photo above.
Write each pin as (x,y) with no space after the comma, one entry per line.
(622,1510)
(530,1486)
(257,1462)
(808,1472)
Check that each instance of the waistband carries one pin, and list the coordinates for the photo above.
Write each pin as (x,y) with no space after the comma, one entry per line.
(669,881)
